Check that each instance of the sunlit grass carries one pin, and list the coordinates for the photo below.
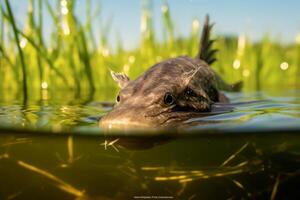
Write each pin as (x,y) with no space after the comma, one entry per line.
(72,59)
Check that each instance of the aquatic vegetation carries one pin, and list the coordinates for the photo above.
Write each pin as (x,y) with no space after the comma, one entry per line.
(238,167)
(72,59)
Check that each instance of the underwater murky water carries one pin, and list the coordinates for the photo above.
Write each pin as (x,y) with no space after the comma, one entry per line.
(252,152)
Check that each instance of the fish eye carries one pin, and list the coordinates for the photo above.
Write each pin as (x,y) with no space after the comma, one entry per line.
(169,99)
(118,98)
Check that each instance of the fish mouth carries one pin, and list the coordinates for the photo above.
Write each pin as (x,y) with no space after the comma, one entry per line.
(122,125)
(151,122)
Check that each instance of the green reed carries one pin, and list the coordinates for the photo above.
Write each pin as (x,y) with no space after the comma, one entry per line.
(72,59)
(21,54)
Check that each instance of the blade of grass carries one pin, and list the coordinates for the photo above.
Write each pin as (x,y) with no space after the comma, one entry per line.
(297,58)
(168,23)
(44,54)
(84,55)
(2,27)
(52,13)
(40,37)
(78,33)
(75,75)
(22,59)
(5,56)
(88,25)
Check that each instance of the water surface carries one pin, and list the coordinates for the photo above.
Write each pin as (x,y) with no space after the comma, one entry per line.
(264,111)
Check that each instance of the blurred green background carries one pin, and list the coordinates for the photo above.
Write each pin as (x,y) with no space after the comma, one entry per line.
(66,45)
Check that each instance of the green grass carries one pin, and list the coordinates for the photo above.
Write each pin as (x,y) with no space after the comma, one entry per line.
(72,59)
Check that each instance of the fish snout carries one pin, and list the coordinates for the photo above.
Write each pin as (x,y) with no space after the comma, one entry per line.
(122,119)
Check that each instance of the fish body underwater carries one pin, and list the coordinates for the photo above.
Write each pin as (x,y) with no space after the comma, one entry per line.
(169,92)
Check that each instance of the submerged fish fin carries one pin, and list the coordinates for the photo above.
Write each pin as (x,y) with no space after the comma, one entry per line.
(206,51)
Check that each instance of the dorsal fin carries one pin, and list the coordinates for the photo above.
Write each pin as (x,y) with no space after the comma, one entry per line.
(206,52)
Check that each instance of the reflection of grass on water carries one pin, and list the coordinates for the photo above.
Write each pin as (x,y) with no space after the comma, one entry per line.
(71,59)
